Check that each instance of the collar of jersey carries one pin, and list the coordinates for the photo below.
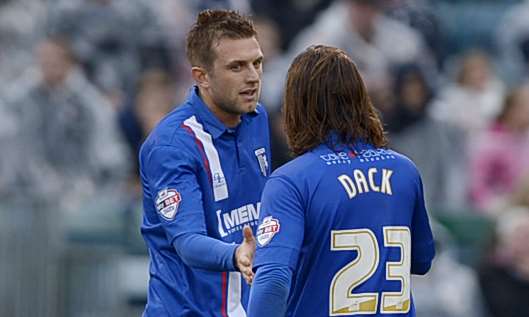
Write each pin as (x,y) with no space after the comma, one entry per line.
(210,122)
(332,142)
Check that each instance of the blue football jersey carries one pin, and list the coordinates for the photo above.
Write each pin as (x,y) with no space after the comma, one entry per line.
(199,176)
(349,223)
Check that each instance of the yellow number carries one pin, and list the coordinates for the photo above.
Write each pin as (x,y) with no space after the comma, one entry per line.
(342,300)
(398,302)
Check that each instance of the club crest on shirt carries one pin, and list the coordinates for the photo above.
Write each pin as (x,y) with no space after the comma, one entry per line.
(267,230)
(167,202)
(260,154)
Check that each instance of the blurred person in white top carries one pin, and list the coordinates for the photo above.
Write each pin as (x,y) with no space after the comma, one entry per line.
(66,146)
(374,40)
(472,100)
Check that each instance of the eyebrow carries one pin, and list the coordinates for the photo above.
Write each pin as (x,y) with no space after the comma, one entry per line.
(242,61)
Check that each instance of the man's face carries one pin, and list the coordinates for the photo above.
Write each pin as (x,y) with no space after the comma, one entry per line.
(234,79)
(54,63)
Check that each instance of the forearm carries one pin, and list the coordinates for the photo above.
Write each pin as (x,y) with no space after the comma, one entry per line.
(270,290)
(203,252)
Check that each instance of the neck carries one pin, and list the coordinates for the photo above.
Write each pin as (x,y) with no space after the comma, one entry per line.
(231,120)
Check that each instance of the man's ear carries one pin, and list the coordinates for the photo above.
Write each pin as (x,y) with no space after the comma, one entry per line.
(200,76)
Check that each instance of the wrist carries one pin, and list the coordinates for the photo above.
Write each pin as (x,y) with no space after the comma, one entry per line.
(234,265)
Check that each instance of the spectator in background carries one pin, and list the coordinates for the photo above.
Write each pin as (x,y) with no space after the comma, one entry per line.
(239,5)
(499,157)
(504,275)
(420,15)
(154,98)
(512,39)
(374,41)
(450,289)
(19,25)
(66,145)
(413,131)
(291,16)
(269,38)
(175,18)
(111,38)
(473,99)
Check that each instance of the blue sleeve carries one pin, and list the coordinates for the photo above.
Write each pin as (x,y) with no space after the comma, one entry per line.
(269,292)
(420,268)
(203,252)
(422,245)
(281,224)
(171,171)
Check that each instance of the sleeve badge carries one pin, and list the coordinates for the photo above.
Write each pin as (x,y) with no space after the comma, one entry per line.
(167,202)
(267,230)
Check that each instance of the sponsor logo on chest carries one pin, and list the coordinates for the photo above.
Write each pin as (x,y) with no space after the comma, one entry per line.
(235,219)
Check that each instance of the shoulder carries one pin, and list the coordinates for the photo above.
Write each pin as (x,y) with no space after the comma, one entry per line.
(403,163)
(393,159)
(172,133)
(299,170)
(288,181)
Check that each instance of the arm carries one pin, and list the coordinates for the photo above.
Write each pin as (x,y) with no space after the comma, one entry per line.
(280,238)
(172,176)
(423,246)
(203,252)
(270,291)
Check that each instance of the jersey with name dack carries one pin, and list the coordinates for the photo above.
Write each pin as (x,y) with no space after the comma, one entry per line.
(351,224)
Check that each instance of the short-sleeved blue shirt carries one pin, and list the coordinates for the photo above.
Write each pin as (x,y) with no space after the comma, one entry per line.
(349,223)
(199,176)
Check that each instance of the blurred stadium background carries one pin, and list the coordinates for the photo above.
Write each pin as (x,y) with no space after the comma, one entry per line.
(83,81)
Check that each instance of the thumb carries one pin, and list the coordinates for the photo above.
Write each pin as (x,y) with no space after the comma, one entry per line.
(248,234)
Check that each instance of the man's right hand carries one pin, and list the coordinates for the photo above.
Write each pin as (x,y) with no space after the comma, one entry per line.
(244,255)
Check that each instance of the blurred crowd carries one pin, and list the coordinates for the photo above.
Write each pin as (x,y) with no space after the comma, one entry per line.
(82,82)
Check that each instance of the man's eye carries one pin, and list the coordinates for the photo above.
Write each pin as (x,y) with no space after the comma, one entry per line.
(235,68)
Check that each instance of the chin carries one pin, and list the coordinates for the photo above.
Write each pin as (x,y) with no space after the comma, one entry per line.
(252,107)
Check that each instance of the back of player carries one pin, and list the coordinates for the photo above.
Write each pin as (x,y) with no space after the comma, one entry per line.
(342,227)
(352,226)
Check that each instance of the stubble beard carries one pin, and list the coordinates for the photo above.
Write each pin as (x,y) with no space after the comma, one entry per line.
(231,105)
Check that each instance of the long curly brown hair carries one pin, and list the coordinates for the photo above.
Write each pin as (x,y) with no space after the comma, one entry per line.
(325,94)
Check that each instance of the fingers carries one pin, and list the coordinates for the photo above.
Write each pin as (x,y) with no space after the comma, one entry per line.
(245,261)
(248,234)
(247,274)
(248,279)
(245,254)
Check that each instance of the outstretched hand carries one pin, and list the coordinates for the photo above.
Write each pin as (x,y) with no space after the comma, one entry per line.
(244,255)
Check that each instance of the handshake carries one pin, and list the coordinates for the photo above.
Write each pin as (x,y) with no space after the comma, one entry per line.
(244,255)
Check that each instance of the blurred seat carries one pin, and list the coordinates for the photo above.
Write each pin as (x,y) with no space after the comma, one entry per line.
(472,233)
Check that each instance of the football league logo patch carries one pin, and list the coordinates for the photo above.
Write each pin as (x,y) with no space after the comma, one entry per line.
(260,154)
(267,230)
(167,202)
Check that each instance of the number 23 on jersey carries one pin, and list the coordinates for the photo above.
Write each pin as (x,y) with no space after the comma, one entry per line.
(342,300)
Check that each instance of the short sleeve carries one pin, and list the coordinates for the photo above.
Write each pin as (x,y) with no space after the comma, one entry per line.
(281,224)
(422,239)
(177,195)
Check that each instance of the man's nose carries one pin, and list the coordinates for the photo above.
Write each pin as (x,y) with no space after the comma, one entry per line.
(254,74)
